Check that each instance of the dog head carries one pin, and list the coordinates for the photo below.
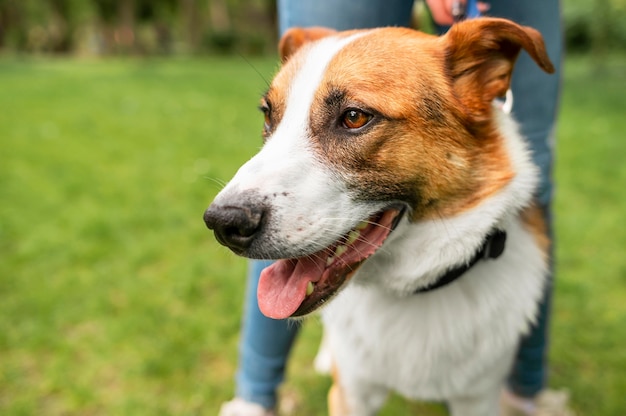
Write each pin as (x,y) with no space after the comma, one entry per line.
(362,128)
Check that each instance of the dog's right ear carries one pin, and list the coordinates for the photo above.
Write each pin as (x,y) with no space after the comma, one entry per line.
(295,37)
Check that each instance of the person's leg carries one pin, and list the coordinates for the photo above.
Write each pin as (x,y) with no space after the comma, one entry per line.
(264,348)
(343,14)
(536,96)
(265,343)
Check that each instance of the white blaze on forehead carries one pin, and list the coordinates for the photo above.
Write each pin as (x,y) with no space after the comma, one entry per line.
(286,158)
(308,80)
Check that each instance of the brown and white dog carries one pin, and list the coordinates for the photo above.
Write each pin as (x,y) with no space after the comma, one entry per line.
(386,168)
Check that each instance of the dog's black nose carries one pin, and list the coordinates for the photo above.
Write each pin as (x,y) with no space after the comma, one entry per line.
(235,226)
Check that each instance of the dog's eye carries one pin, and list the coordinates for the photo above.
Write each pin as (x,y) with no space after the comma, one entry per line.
(267,125)
(355,119)
(267,113)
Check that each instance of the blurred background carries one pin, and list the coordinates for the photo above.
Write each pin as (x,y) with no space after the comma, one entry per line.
(170,27)
(119,122)
(137,27)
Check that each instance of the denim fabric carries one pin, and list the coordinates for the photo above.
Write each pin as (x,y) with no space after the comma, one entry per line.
(344,14)
(265,343)
(264,347)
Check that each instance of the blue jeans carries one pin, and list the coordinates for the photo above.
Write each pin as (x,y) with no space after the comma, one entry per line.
(265,342)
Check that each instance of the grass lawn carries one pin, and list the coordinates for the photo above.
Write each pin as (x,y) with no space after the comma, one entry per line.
(115,299)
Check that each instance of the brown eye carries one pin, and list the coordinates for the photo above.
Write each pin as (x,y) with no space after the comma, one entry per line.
(355,119)
(267,114)
(267,125)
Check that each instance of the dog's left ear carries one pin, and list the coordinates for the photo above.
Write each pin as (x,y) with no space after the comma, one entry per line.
(295,37)
(481,54)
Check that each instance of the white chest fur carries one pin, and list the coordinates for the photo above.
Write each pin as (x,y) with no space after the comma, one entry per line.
(442,343)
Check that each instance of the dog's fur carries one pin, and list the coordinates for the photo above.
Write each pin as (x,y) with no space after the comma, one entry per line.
(388,142)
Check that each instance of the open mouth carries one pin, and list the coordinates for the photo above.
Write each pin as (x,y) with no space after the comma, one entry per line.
(296,287)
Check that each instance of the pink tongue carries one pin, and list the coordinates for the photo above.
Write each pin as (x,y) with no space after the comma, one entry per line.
(282,286)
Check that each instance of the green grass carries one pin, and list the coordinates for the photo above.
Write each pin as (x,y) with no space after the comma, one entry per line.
(114,298)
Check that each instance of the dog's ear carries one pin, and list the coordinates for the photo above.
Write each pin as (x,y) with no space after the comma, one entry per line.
(480,58)
(295,37)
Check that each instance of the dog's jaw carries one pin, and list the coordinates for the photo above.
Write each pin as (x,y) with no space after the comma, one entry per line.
(295,287)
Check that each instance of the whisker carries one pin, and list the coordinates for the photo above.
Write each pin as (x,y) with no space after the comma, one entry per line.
(267,83)
(220,182)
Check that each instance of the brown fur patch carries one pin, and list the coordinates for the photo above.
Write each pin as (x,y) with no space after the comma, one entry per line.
(294,38)
(418,148)
(533,220)
(337,405)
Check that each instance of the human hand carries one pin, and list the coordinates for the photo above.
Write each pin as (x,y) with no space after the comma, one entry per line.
(442,10)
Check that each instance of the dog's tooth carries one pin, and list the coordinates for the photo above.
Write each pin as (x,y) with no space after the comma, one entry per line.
(340,250)
(362,225)
(353,236)
(309,288)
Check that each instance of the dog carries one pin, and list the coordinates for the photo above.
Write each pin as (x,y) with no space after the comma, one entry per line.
(395,193)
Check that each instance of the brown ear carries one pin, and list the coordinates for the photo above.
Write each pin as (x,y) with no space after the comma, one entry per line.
(295,37)
(481,56)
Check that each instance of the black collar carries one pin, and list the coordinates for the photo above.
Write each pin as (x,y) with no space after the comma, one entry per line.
(492,248)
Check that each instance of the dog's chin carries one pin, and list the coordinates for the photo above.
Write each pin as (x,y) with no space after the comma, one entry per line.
(298,286)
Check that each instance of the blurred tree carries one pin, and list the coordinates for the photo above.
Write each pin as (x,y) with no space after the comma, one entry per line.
(10,18)
(221,36)
(192,23)
(602,22)
(220,16)
(40,26)
(125,32)
(62,22)
(116,22)
(160,17)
